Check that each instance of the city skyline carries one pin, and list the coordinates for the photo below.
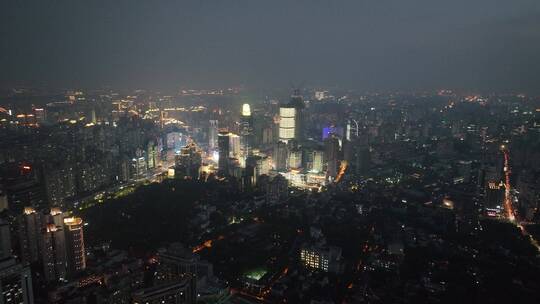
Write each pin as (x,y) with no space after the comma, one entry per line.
(260,152)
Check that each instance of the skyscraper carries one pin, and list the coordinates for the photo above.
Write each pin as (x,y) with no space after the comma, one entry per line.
(223,144)
(213,135)
(291,123)
(54,253)
(287,123)
(188,162)
(30,223)
(281,154)
(246,130)
(331,152)
(76,258)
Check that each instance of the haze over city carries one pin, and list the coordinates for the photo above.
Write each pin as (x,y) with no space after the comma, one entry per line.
(365,45)
(260,152)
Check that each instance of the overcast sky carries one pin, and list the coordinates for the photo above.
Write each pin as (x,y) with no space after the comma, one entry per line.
(361,44)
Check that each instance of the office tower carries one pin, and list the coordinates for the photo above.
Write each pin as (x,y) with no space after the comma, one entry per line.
(15,283)
(74,234)
(287,123)
(249,177)
(213,135)
(246,130)
(295,159)
(234,145)
(30,223)
(188,162)
(267,135)
(317,161)
(331,153)
(291,122)
(151,155)
(298,104)
(54,253)
(281,154)
(224,150)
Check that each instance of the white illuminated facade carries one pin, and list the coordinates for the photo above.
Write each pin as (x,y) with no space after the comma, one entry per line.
(287,123)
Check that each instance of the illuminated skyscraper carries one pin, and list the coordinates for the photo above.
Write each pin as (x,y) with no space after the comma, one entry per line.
(287,123)
(246,130)
(295,159)
(317,161)
(235,146)
(213,135)
(76,257)
(291,123)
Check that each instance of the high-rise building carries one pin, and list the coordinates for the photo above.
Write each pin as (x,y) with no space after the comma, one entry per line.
(235,146)
(331,153)
(291,119)
(317,161)
(224,151)
(287,123)
(151,155)
(54,253)
(295,159)
(246,130)
(74,233)
(213,135)
(281,155)
(188,162)
(30,224)
(298,104)
(15,283)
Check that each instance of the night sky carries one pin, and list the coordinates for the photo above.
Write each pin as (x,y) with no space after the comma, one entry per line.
(360,44)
